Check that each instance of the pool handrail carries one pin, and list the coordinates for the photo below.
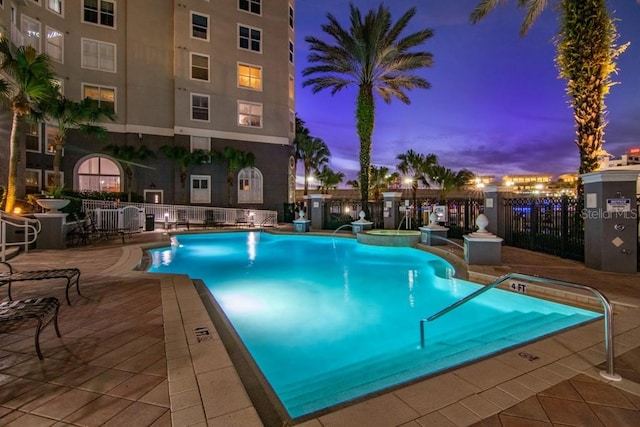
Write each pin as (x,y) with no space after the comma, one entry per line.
(609,374)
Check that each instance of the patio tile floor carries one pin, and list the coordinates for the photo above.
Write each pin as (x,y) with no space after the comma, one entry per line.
(128,356)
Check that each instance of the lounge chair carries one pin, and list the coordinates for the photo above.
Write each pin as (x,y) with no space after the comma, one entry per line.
(15,314)
(71,275)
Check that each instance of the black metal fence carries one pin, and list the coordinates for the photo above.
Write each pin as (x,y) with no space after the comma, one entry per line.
(551,225)
(460,217)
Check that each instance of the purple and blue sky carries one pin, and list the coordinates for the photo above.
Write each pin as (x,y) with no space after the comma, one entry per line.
(496,105)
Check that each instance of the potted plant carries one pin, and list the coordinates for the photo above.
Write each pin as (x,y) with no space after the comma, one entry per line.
(53,200)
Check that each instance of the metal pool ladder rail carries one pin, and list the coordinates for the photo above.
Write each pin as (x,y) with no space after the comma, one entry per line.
(606,305)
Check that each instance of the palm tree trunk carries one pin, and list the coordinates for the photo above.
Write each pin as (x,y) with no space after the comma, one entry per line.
(183,181)
(14,159)
(365,116)
(307,170)
(57,159)
(229,186)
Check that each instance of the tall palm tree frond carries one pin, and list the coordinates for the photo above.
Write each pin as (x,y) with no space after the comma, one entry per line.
(372,55)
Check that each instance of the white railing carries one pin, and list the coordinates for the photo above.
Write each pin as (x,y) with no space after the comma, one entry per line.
(183,214)
(128,219)
(30,228)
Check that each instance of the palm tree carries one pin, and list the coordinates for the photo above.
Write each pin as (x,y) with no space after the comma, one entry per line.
(314,153)
(372,56)
(586,54)
(417,167)
(184,159)
(129,156)
(69,115)
(449,180)
(380,180)
(29,82)
(329,179)
(235,160)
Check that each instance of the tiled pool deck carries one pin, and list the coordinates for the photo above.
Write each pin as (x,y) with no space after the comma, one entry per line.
(129,355)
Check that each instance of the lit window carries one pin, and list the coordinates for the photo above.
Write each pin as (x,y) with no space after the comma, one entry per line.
(98,174)
(199,107)
(199,26)
(49,178)
(291,16)
(32,137)
(51,132)
(250,76)
(104,96)
(199,67)
(32,180)
(249,186)
(292,88)
(100,12)
(249,38)
(55,6)
(31,32)
(249,114)
(252,6)
(97,55)
(290,51)
(55,44)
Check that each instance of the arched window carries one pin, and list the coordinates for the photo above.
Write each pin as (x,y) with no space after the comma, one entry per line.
(98,174)
(249,186)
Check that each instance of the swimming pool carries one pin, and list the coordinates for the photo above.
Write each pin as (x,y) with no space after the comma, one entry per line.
(328,320)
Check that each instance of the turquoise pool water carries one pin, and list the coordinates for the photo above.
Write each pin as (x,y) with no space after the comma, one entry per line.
(328,320)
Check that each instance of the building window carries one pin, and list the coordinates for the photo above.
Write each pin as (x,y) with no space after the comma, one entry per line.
(199,107)
(55,6)
(290,51)
(49,179)
(252,6)
(292,122)
(249,114)
(199,26)
(249,76)
(292,88)
(55,44)
(98,174)
(32,137)
(200,192)
(97,55)
(31,32)
(100,12)
(50,135)
(249,38)
(32,180)
(199,67)
(104,96)
(291,17)
(201,143)
(249,186)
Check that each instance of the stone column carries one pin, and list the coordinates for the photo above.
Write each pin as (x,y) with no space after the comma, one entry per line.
(317,210)
(391,209)
(611,220)
(52,234)
(494,209)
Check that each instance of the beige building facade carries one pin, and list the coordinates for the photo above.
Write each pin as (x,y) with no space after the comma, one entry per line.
(200,74)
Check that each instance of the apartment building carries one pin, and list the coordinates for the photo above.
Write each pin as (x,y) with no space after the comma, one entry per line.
(201,74)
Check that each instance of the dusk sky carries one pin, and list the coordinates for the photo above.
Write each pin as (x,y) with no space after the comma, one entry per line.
(496,105)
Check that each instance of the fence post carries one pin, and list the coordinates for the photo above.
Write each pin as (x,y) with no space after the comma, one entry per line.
(533,223)
(564,226)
